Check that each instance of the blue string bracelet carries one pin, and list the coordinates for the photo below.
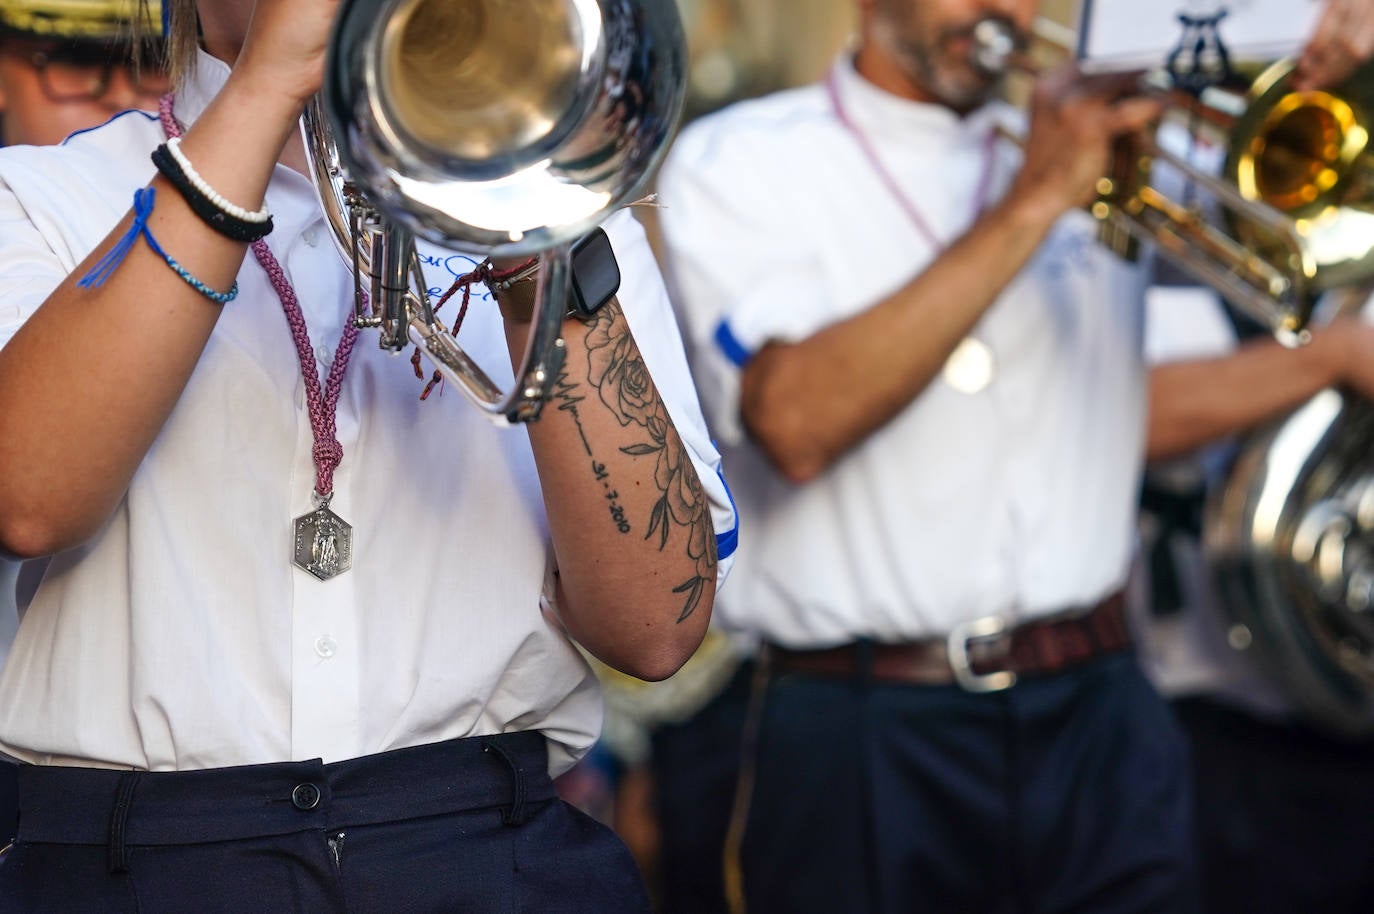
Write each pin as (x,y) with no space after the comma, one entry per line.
(143,208)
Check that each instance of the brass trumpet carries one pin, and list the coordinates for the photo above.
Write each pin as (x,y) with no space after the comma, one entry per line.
(1295,196)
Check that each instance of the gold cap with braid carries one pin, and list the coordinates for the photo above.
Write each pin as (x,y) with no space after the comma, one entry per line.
(99,20)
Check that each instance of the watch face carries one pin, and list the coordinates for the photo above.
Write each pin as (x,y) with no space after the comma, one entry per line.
(595,274)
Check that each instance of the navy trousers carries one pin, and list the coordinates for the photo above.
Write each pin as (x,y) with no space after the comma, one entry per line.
(695,769)
(467,825)
(9,802)
(1063,795)
(1285,814)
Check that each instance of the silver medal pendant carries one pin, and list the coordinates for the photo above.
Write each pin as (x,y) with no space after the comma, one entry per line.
(971,367)
(323,544)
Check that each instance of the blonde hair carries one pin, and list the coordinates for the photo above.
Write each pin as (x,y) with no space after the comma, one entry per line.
(183,37)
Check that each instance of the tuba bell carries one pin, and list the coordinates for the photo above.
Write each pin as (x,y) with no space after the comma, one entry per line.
(502,128)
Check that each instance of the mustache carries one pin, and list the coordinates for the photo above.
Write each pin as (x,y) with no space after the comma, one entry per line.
(967,32)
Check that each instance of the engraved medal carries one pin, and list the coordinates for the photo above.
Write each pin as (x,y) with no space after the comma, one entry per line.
(323,543)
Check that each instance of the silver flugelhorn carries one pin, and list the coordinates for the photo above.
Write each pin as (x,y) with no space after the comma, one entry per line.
(493,127)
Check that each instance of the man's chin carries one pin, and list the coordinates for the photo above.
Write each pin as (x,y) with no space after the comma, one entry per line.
(965,94)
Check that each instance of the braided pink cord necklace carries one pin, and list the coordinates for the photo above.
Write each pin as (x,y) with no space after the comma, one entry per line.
(875,161)
(323,541)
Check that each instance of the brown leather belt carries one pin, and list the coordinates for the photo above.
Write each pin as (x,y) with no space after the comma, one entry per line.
(983,655)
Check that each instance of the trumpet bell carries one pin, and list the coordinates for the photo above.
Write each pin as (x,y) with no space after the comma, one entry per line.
(1307,155)
(1293,208)
(502,126)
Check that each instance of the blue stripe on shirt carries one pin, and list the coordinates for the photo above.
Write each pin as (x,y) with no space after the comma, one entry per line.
(148,114)
(729,344)
(727,542)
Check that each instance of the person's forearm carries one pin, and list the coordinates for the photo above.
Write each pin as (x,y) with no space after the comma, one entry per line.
(807,403)
(1196,402)
(88,381)
(630,523)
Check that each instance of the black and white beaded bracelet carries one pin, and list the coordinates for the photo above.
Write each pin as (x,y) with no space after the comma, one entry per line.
(228,219)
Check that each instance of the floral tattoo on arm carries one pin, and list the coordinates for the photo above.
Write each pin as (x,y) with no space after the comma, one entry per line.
(681,514)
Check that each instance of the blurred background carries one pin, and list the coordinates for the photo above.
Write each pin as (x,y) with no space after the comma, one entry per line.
(743,48)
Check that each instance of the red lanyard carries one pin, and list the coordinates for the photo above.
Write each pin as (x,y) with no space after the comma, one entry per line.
(908,205)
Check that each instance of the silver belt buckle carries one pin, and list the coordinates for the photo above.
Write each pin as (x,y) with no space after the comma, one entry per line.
(985,628)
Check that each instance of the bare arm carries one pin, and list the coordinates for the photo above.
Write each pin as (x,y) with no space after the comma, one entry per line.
(1195,402)
(128,347)
(630,523)
(809,402)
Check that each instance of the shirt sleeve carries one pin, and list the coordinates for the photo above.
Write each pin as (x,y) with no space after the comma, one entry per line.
(644,299)
(1185,322)
(29,268)
(743,271)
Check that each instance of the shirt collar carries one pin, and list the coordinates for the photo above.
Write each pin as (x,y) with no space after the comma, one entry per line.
(204,82)
(201,86)
(883,114)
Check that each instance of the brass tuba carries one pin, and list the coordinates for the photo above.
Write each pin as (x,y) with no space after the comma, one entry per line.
(495,127)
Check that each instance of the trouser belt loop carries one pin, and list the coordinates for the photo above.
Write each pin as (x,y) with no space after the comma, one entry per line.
(119,819)
(863,663)
(517,813)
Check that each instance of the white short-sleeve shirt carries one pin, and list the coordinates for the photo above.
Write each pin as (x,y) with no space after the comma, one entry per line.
(181,636)
(1017,499)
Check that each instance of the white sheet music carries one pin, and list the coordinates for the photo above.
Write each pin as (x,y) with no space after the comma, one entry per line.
(1128,34)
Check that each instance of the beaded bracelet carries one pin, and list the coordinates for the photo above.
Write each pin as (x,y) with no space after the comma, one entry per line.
(143,208)
(238,212)
(212,208)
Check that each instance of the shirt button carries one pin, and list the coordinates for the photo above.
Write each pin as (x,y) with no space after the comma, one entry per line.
(324,356)
(305,797)
(326,647)
(311,236)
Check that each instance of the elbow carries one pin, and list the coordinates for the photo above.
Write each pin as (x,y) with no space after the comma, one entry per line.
(657,669)
(793,449)
(779,422)
(664,661)
(1168,438)
(23,537)
(660,649)
(32,530)
(797,469)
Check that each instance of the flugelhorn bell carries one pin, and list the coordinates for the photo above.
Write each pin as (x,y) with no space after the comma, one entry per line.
(494,127)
